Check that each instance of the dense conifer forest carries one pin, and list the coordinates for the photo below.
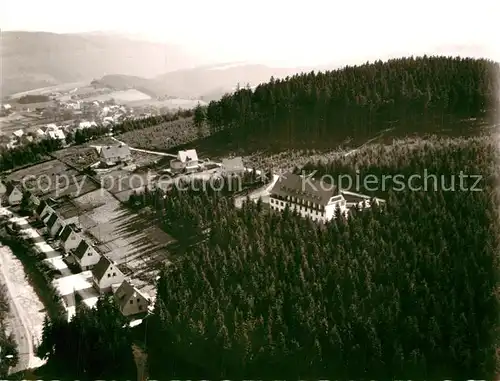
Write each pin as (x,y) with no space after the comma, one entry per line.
(315,109)
(96,344)
(402,291)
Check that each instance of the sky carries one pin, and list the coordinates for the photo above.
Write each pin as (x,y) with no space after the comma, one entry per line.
(288,33)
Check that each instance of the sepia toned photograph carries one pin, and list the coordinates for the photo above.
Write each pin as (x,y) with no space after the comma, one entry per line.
(261,190)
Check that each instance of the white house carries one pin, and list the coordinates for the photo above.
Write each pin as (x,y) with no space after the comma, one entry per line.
(55,224)
(105,274)
(186,160)
(18,133)
(13,194)
(3,188)
(69,239)
(86,124)
(56,134)
(307,196)
(85,256)
(130,300)
(111,155)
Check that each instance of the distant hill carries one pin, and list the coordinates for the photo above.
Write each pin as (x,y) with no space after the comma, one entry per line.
(32,60)
(204,82)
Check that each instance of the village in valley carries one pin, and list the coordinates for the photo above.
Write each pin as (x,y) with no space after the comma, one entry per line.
(97,245)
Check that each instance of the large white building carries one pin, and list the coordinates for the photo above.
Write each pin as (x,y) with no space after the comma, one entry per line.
(317,200)
(307,196)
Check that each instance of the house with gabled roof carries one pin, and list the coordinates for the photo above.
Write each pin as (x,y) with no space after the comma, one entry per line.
(43,210)
(106,274)
(55,224)
(69,239)
(86,257)
(119,153)
(130,300)
(13,194)
(185,161)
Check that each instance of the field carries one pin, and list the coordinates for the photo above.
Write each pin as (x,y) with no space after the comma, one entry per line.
(22,120)
(53,179)
(162,137)
(79,157)
(122,96)
(137,245)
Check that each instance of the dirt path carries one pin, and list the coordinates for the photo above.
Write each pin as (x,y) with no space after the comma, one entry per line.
(143,150)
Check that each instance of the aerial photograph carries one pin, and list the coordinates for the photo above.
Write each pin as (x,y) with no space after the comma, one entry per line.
(249,190)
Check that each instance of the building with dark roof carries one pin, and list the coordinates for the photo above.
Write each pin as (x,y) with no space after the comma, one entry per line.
(69,239)
(185,161)
(130,300)
(307,196)
(13,194)
(55,224)
(105,274)
(85,255)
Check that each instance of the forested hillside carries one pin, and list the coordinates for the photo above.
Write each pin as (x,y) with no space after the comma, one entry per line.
(403,291)
(315,109)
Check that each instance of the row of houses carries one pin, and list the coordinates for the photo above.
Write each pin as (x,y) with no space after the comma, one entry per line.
(106,276)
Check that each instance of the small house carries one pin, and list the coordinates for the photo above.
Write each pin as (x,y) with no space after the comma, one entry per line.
(130,300)
(111,155)
(69,239)
(105,274)
(185,161)
(86,256)
(54,225)
(13,194)
(3,188)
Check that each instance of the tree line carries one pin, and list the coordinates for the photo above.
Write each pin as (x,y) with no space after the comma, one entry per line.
(9,354)
(319,108)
